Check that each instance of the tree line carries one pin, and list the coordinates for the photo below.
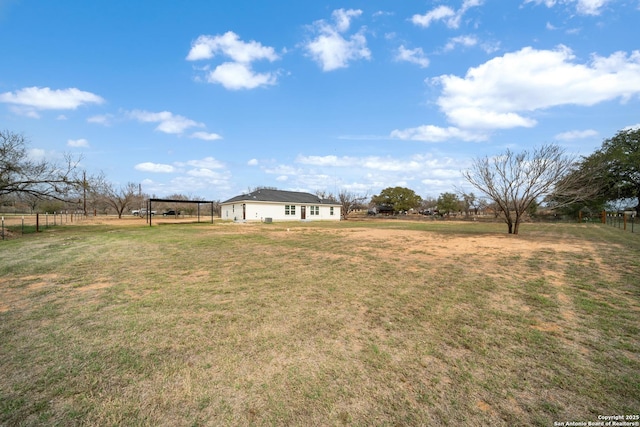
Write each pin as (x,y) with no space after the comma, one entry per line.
(512,184)
(515,185)
(47,185)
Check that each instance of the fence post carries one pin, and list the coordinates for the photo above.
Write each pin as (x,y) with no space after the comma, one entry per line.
(624,220)
(37,223)
(22,224)
(2,228)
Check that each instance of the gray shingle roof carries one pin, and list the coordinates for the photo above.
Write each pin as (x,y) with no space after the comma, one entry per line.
(268,195)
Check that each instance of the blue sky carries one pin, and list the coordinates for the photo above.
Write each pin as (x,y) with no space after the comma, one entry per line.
(213,98)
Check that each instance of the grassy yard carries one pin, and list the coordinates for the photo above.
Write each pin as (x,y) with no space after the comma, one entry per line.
(356,323)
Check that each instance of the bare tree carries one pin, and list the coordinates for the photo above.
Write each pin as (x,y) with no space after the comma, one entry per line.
(349,202)
(325,195)
(513,181)
(468,202)
(30,200)
(119,198)
(42,179)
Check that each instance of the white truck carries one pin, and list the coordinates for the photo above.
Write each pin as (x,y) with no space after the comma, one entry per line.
(141,212)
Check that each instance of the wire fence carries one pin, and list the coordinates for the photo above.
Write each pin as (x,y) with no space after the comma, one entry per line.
(15,224)
(623,220)
(12,225)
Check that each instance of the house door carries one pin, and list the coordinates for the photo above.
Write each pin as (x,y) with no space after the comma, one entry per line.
(244,211)
(303,212)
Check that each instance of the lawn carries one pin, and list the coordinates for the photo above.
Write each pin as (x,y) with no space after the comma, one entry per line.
(356,323)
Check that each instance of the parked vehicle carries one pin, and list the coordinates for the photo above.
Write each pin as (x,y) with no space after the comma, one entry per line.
(143,212)
(171,212)
(135,212)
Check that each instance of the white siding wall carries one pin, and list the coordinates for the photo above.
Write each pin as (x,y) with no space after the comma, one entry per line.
(258,211)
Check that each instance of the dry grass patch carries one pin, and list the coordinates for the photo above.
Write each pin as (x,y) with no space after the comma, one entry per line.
(318,324)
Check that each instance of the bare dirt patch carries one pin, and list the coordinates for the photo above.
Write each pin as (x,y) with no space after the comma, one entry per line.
(441,244)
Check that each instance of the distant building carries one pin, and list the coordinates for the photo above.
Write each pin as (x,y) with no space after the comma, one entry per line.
(278,205)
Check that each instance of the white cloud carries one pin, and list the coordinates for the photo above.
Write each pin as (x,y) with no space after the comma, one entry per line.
(415,163)
(430,133)
(194,181)
(154,167)
(204,173)
(466,41)
(450,17)
(37,154)
(387,164)
(189,176)
(477,118)
(253,162)
(34,98)
(230,45)
(167,121)
(501,92)
(431,173)
(102,119)
(206,136)
(77,143)
(343,17)
(237,74)
(326,160)
(415,56)
(283,170)
(590,7)
(583,7)
(382,13)
(490,46)
(24,111)
(506,91)
(437,14)
(548,3)
(207,162)
(330,48)
(576,134)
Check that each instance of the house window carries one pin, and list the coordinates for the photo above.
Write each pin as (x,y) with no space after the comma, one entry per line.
(331,210)
(314,210)
(289,209)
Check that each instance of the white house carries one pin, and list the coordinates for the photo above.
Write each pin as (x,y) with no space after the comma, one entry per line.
(278,205)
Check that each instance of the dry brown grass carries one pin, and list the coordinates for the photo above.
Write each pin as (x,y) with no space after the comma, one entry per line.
(318,324)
